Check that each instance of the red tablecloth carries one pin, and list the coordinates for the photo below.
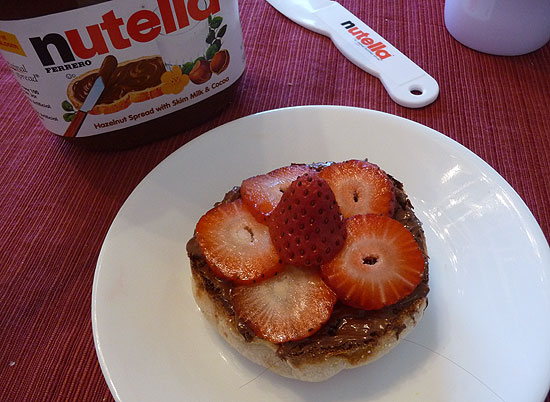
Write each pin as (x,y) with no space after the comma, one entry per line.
(57,201)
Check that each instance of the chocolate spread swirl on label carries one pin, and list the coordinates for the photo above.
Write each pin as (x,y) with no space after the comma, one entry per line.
(348,328)
(135,76)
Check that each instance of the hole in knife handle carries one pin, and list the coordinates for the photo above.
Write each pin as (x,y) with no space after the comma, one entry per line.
(416,91)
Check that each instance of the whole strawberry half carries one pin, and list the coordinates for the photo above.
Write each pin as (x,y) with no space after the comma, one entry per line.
(262,193)
(379,265)
(236,246)
(360,187)
(306,227)
(287,307)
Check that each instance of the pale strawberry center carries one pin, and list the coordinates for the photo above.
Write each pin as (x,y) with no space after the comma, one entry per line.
(280,291)
(359,195)
(245,235)
(366,255)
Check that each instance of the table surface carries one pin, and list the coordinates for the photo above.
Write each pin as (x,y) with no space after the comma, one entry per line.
(498,107)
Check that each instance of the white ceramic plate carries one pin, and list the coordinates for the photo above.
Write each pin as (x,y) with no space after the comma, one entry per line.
(484,336)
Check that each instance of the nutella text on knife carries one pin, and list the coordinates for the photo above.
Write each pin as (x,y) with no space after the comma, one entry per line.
(377,48)
(179,63)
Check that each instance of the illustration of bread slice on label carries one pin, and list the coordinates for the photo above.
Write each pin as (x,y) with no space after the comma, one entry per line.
(133,81)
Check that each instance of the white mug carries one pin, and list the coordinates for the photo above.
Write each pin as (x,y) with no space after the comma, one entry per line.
(499,27)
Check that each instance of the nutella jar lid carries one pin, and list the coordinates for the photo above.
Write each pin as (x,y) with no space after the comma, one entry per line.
(121,73)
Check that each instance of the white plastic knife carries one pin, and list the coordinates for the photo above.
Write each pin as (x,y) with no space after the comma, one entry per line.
(406,83)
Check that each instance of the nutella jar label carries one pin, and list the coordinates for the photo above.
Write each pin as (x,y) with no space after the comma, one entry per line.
(120,63)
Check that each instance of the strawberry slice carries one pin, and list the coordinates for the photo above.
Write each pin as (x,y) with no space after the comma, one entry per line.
(262,193)
(379,265)
(236,246)
(287,307)
(306,227)
(360,188)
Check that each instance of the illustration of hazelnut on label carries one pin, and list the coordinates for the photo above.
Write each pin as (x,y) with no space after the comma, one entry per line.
(219,61)
(200,72)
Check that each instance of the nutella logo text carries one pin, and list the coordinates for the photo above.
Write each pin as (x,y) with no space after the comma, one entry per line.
(142,26)
(378,48)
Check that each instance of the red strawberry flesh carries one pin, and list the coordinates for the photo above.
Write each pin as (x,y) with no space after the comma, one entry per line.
(236,246)
(380,263)
(360,187)
(262,193)
(306,226)
(287,307)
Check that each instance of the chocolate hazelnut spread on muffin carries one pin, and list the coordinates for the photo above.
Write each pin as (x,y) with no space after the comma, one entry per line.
(350,333)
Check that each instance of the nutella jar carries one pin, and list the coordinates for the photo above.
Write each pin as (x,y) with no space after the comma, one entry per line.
(121,73)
